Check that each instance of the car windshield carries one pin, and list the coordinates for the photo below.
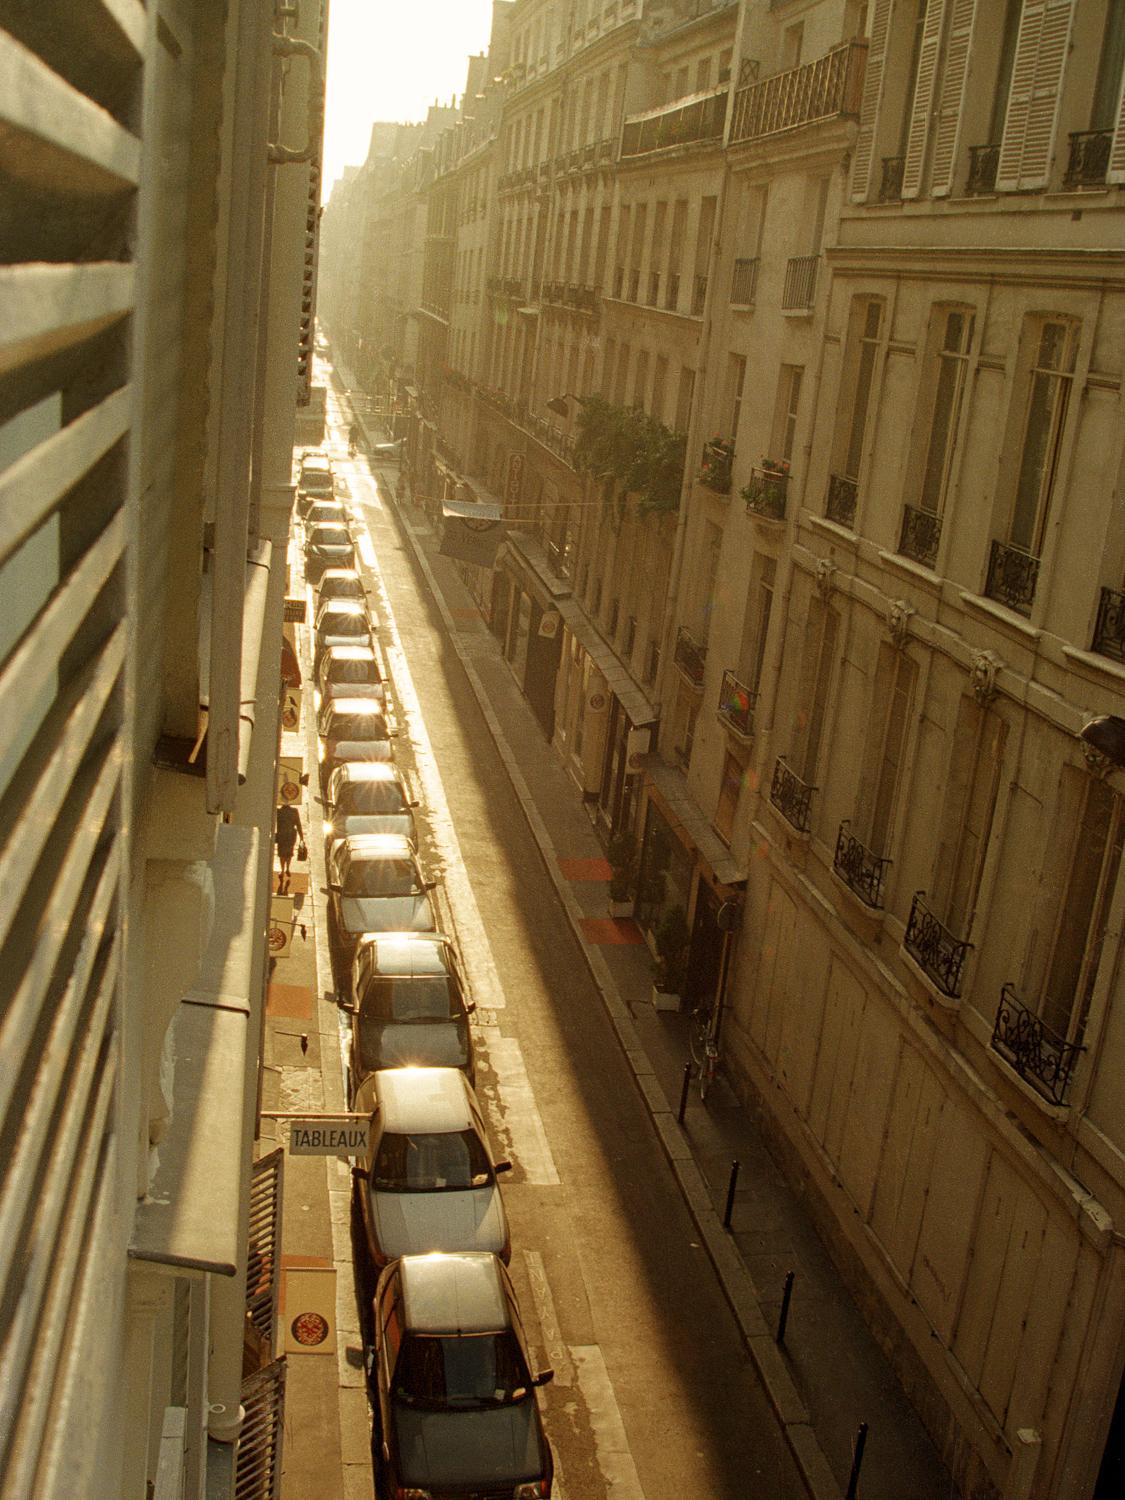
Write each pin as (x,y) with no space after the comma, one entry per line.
(381,877)
(465,1371)
(370,796)
(357,727)
(448,1162)
(343,624)
(406,1000)
(353,671)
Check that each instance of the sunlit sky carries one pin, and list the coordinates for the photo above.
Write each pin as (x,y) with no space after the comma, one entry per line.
(389,60)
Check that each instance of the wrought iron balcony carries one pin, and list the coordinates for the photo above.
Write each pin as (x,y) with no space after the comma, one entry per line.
(890,184)
(859,869)
(983,164)
(1109,629)
(698,296)
(800,283)
(791,796)
(1089,158)
(921,532)
(736,704)
(831,85)
(715,466)
(765,493)
(842,495)
(690,656)
(936,951)
(1012,576)
(1039,1055)
(687,122)
(672,292)
(744,282)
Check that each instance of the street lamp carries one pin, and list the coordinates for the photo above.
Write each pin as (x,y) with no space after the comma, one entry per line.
(1106,735)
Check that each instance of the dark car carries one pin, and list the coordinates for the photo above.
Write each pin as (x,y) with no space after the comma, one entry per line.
(327,545)
(340,583)
(349,672)
(340,622)
(453,1384)
(374,885)
(347,721)
(314,481)
(368,797)
(407,1000)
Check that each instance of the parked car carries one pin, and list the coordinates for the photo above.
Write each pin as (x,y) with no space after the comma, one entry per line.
(349,672)
(452,1382)
(389,452)
(408,1005)
(368,797)
(340,583)
(347,721)
(374,885)
(326,513)
(314,480)
(428,1181)
(340,622)
(327,545)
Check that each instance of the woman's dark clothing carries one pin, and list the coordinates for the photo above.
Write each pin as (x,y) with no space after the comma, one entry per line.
(288,827)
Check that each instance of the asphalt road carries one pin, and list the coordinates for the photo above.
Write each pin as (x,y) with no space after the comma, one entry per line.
(654,1395)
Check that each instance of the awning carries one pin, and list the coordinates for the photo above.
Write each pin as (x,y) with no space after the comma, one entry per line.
(472,510)
(674,798)
(631,697)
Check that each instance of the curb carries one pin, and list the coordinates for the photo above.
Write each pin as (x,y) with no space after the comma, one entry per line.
(734,1279)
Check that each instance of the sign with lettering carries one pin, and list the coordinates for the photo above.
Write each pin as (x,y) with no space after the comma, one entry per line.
(329,1137)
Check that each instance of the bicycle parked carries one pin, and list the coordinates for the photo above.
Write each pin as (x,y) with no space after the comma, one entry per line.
(704,1048)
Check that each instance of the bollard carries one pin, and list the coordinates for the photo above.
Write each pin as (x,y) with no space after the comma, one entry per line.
(857,1461)
(731,1185)
(684,1093)
(783,1317)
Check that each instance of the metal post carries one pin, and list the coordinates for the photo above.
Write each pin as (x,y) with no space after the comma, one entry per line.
(783,1317)
(684,1093)
(731,1185)
(857,1461)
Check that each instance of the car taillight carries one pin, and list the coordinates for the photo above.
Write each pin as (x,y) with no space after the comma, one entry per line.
(535,1489)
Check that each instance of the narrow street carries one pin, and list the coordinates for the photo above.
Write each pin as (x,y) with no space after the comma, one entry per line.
(653,1394)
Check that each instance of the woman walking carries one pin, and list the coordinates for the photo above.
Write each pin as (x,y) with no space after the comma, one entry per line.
(287,831)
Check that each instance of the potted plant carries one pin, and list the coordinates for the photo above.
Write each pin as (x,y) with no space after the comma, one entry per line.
(669,969)
(622,856)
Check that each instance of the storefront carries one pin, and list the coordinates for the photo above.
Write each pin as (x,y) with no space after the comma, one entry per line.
(525,618)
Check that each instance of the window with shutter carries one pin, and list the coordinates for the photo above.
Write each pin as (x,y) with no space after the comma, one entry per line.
(872,98)
(926,72)
(1033,100)
(950,97)
(1116,169)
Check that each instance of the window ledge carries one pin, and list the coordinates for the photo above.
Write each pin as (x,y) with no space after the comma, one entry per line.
(1059,1113)
(1094,661)
(1002,614)
(918,572)
(933,990)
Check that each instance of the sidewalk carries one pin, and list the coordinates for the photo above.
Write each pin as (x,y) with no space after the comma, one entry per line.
(830,1376)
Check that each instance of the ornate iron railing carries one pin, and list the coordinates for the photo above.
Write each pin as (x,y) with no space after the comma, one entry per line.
(744,282)
(715,467)
(791,796)
(921,532)
(800,283)
(1012,576)
(861,871)
(681,124)
(841,504)
(831,85)
(1088,161)
(1109,629)
(698,296)
(983,164)
(890,184)
(937,952)
(1039,1055)
(736,704)
(765,493)
(690,656)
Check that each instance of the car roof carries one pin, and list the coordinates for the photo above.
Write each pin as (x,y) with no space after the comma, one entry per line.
(398,954)
(318,528)
(368,770)
(460,1293)
(378,846)
(350,653)
(430,1100)
(341,607)
(368,706)
(336,573)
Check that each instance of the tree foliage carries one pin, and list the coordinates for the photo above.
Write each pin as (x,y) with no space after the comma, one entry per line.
(626,445)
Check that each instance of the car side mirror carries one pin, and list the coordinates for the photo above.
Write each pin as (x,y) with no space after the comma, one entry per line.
(359,1174)
(544,1377)
(501,1166)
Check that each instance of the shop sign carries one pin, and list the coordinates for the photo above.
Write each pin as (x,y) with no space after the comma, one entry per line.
(309,1319)
(471,531)
(321,1137)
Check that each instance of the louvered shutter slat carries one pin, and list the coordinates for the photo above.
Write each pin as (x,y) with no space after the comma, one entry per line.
(49,307)
(1033,101)
(1116,169)
(872,98)
(947,128)
(922,105)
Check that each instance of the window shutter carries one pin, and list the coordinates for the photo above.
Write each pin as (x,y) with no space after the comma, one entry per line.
(1116,170)
(872,98)
(1033,102)
(922,105)
(947,127)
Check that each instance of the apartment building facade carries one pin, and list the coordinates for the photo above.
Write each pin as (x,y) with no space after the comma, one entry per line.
(158,272)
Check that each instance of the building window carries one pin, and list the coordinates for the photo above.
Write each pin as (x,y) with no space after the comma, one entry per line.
(818,660)
(652,661)
(971,785)
(729,788)
(1048,393)
(683,398)
(868,322)
(949,390)
(785,415)
(889,724)
(756,622)
(736,379)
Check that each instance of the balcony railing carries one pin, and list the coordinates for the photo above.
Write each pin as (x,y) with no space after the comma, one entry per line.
(859,869)
(736,704)
(1039,1055)
(984,162)
(791,796)
(1109,628)
(698,296)
(934,948)
(699,118)
(1012,576)
(744,282)
(800,283)
(921,532)
(765,493)
(1088,161)
(690,656)
(820,90)
(715,466)
(890,184)
(842,495)
(672,291)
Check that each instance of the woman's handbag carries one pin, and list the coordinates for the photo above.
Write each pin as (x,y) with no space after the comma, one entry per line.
(302,850)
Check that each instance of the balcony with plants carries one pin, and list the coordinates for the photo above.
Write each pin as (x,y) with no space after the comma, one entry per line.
(636,452)
(766,491)
(715,465)
(737,703)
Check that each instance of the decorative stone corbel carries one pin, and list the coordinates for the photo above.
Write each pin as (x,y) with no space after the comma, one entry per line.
(825,577)
(982,675)
(898,623)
